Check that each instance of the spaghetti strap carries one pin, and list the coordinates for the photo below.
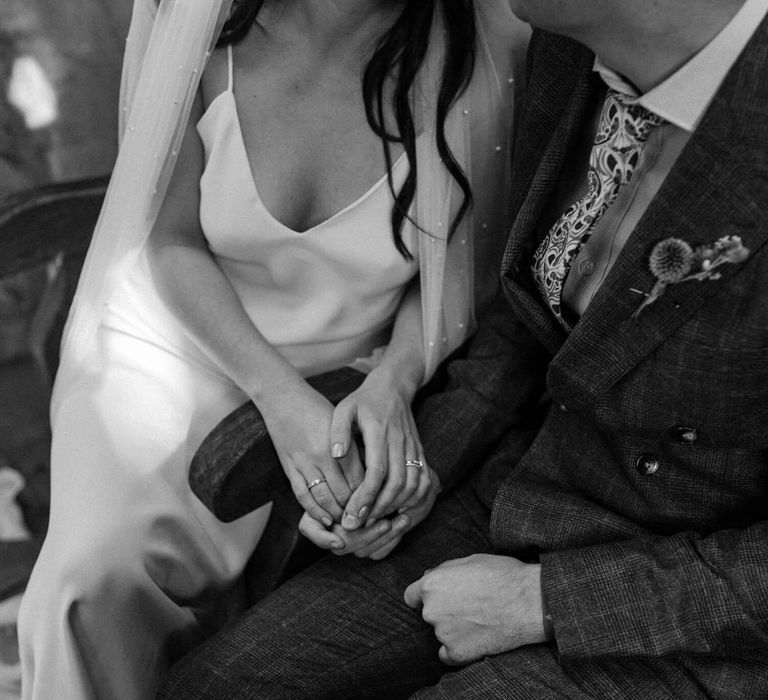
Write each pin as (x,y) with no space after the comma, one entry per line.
(230,69)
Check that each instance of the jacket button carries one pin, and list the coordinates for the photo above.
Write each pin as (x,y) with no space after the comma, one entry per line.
(562,408)
(685,435)
(586,267)
(647,464)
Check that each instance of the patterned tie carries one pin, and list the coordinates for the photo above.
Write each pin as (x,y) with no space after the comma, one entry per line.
(623,129)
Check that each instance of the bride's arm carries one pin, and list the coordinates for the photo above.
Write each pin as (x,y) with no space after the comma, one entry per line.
(197,291)
(381,411)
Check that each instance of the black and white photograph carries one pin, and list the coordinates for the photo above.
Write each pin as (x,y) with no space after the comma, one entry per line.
(383,349)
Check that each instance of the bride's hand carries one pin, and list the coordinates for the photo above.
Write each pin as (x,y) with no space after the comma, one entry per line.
(374,541)
(380,409)
(298,419)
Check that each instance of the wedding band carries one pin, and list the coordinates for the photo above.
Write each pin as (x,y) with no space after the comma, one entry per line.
(414,463)
(316,482)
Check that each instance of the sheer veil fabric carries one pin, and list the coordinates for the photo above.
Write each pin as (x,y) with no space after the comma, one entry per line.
(166,51)
(459,275)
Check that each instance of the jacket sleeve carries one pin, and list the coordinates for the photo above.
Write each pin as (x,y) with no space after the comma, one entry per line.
(653,596)
(492,390)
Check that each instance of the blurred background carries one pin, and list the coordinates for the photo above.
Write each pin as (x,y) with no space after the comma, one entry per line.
(59,77)
(59,80)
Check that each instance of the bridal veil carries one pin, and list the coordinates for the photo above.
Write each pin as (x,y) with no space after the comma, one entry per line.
(166,51)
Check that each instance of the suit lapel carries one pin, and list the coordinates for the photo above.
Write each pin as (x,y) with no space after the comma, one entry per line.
(716,188)
(554,111)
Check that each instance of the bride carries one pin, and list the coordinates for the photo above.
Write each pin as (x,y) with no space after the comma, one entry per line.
(268,218)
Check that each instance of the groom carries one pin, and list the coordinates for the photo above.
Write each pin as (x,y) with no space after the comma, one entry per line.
(612,540)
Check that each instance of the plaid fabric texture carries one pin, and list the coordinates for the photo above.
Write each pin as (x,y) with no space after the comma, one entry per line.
(645,491)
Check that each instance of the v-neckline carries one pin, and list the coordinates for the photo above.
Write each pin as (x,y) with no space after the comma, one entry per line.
(341,212)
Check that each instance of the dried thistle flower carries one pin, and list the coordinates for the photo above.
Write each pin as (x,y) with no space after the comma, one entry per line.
(671,260)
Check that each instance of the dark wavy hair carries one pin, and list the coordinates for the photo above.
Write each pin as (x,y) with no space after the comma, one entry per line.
(400,53)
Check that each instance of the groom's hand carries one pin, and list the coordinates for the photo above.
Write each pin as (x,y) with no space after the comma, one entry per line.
(375,540)
(480,605)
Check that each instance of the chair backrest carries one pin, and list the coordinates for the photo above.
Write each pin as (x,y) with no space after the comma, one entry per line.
(50,223)
(37,224)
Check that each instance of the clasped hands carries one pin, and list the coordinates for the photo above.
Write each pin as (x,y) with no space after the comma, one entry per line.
(354,504)
(480,605)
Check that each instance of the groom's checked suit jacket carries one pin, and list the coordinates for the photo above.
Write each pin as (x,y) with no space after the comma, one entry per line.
(643,488)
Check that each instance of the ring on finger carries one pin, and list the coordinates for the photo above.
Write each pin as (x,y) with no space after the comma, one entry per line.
(316,482)
(414,463)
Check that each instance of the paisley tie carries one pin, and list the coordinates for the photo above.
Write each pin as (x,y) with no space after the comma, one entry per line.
(622,131)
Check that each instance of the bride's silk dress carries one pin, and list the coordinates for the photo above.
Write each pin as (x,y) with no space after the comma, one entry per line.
(128,541)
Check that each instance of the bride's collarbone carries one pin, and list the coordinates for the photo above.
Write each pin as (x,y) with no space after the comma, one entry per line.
(306,135)
(310,155)
(305,183)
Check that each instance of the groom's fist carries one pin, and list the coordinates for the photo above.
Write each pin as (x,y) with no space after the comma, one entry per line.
(480,605)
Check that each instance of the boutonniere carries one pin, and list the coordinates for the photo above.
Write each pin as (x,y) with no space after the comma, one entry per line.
(673,261)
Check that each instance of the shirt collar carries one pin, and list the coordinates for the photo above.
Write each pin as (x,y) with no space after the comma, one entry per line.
(683,98)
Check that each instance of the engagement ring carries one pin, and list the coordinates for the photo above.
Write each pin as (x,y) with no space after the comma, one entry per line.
(414,463)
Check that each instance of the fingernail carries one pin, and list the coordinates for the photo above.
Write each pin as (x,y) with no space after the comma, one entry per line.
(404,509)
(337,544)
(363,512)
(327,521)
(337,450)
(349,521)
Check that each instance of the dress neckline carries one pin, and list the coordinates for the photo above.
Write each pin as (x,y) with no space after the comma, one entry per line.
(229,95)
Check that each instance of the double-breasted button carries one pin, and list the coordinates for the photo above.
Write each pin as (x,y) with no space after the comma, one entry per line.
(562,408)
(687,436)
(586,267)
(647,464)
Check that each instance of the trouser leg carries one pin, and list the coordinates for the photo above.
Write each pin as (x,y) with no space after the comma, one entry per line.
(535,673)
(339,629)
(531,673)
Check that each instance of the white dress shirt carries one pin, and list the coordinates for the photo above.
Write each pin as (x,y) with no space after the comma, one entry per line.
(681,100)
